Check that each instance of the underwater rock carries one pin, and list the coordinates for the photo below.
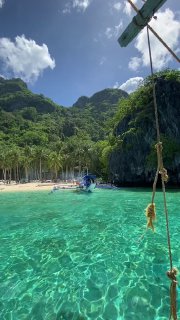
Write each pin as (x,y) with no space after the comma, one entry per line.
(110,312)
(93,293)
(112,292)
(139,301)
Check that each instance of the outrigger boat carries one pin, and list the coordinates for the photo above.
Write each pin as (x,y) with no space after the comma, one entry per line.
(88,183)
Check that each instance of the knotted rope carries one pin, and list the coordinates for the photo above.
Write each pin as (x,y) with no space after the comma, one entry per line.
(151,215)
(172,276)
(150,210)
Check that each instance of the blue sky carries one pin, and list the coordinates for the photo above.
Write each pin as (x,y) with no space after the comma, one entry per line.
(66,49)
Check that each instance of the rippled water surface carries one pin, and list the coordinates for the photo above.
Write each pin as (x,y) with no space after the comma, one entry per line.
(76,256)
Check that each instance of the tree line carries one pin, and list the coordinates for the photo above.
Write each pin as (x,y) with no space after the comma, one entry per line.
(71,158)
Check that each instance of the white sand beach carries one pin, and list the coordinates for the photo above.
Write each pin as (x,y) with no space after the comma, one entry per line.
(32,186)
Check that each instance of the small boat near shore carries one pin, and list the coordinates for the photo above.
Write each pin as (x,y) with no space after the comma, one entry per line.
(88,183)
(106,186)
(63,187)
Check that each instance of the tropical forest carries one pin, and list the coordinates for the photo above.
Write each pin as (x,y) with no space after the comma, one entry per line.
(112,133)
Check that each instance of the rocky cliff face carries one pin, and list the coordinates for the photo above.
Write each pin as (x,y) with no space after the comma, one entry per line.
(15,95)
(133,160)
(11,86)
(106,96)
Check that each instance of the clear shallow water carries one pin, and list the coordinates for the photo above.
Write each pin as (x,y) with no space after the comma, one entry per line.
(79,256)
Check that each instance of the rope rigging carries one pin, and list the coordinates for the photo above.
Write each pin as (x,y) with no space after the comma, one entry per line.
(164,178)
(138,23)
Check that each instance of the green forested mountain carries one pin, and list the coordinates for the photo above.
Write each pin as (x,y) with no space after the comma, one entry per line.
(31,122)
(97,111)
(14,95)
(112,134)
(18,104)
(105,97)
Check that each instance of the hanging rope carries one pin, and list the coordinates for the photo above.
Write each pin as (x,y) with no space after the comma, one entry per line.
(150,211)
(151,215)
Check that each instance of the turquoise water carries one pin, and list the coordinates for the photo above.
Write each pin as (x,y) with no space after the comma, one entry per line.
(76,256)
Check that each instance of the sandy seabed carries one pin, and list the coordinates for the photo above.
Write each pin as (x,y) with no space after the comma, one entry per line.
(31,186)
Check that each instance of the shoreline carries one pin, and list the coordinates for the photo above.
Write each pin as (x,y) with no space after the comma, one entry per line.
(32,186)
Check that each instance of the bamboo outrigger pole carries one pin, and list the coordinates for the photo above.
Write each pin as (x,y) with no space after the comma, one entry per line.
(140,21)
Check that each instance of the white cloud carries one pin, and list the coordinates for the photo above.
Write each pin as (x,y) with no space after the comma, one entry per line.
(169,29)
(24,58)
(128,8)
(67,8)
(1,3)
(81,5)
(117,6)
(134,63)
(118,28)
(109,33)
(130,85)
(102,61)
(116,85)
(114,31)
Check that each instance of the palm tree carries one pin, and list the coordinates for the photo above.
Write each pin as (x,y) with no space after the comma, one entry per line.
(9,159)
(82,152)
(40,155)
(26,160)
(3,161)
(55,162)
(15,155)
(67,156)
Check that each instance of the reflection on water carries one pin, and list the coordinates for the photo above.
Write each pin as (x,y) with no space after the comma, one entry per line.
(74,257)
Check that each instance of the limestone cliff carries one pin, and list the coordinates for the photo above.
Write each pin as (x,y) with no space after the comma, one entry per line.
(133,160)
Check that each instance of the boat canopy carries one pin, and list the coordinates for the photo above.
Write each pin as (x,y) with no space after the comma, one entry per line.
(89,176)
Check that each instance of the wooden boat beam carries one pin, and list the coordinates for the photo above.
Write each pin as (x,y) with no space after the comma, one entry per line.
(140,21)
